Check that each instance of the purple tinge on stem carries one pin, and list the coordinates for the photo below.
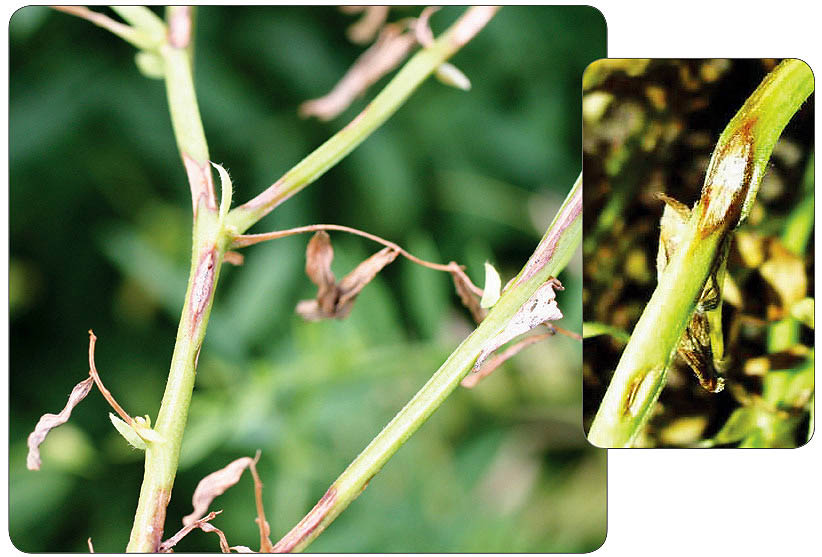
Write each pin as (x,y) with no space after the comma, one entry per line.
(545,250)
(308,524)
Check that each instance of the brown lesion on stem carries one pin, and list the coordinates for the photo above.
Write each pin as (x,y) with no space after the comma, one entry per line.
(158,519)
(730,176)
(630,397)
(308,524)
(203,285)
(201,183)
(547,246)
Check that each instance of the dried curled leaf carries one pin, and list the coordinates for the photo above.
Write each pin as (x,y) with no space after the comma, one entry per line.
(335,299)
(391,47)
(467,296)
(540,308)
(50,421)
(214,485)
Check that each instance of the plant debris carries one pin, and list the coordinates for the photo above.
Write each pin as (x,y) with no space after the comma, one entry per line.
(540,308)
(335,299)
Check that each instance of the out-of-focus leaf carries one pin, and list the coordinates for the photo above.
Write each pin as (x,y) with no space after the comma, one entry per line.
(593,329)
(803,311)
(785,272)
(740,424)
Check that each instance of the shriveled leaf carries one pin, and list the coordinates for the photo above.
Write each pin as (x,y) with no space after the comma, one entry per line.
(490,293)
(214,485)
(49,421)
(355,281)
(467,296)
(540,308)
(127,432)
(241,549)
(336,299)
(318,257)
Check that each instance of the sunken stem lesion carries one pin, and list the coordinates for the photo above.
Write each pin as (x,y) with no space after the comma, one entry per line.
(738,163)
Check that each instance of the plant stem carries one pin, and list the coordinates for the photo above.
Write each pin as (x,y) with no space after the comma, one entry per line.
(734,174)
(550,257)
(212,235)
(209,245)
(385,104)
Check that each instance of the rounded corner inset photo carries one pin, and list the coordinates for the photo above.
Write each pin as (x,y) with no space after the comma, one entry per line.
(698,227)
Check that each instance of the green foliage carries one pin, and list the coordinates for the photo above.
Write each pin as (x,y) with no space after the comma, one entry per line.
(100,236)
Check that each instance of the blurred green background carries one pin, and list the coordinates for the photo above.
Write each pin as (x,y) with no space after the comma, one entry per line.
(100,232)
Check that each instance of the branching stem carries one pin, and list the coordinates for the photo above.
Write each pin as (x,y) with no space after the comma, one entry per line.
(552,254)
(251,239)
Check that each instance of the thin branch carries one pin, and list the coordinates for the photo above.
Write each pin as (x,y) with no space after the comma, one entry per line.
(561,240)
(452,267)
(471,381)
(166,546)
(384,105)
(125,32)
(265,530)
(92,340)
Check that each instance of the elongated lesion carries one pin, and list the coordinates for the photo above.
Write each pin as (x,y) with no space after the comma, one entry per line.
(701,345)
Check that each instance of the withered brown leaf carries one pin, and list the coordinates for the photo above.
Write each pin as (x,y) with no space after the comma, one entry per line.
(50,421)
(216,484)
(468,298)
(213,485)
(335,299)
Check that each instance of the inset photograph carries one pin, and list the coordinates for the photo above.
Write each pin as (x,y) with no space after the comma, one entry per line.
(698,232)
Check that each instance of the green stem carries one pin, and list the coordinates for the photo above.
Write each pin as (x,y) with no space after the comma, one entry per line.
(212,235)
(415,71)
(209,245)
(798,229)
(550,257)
(734,174)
